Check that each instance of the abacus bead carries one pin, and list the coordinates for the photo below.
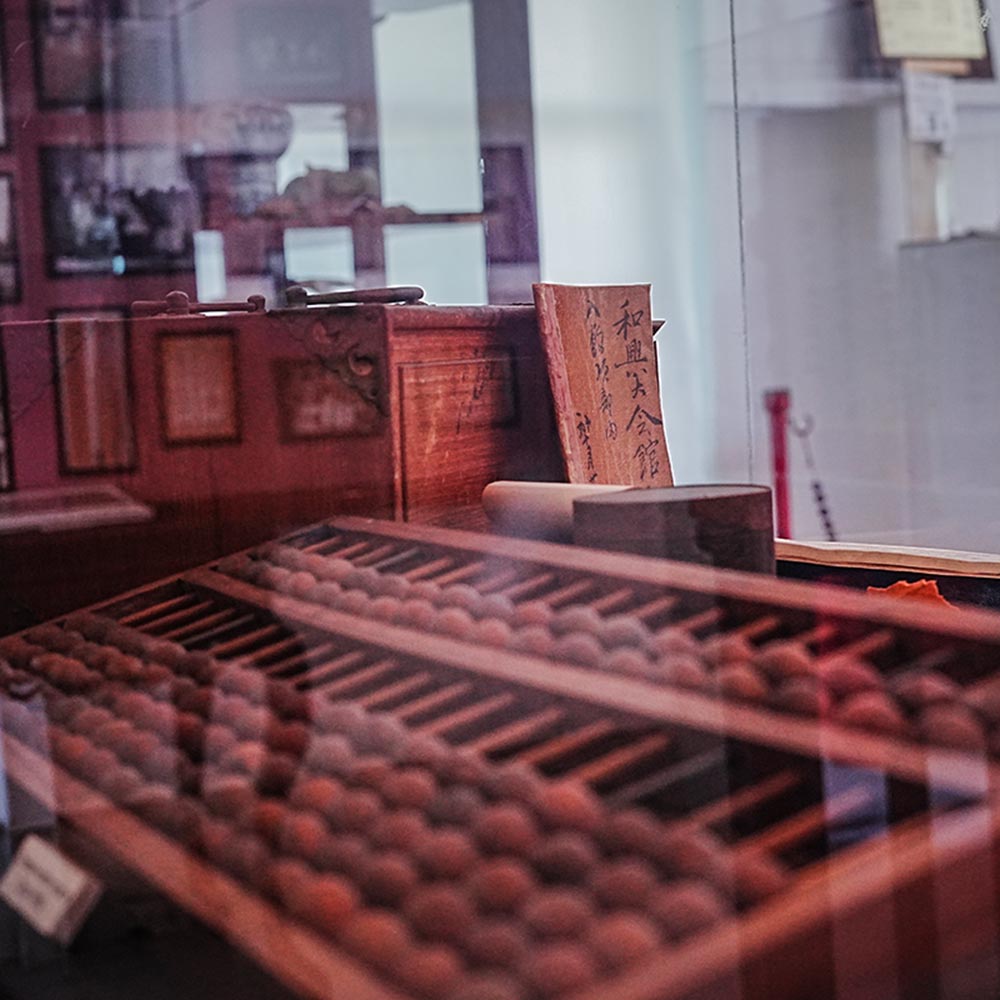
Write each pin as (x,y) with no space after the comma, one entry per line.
(576,618)
(535,640)
(377,936)
(457,804)
(370,771)
(803,696)
(497,606)
(446,853)
(330,754)
(694,852)
(952,726)
(264,817)
(871,710)
(421,614)
(385,608)
(347,853)
(740,682)
(289,880)
(631,831)
(672,641)
(686,907)
(389,878)
(683,671)
(516,781)
(845,675)
(506,829)
(623,883)
(493,632)
(757,877)
(426,590)
(723,649)
(579,648)
(317,794)
(460,595)
(488,986)
(785,659)
(502,884)
(623,630)
(302,834)
(623,938)
(558,912)
(440,912)
(403,829)
(430,970)
(533,613)
(630,662)
(455,622)
(356,810)
(277,774)
(329,902)
(930,688)
(565,856)
(555,969)
(409,788)
(497,942)
(569,804)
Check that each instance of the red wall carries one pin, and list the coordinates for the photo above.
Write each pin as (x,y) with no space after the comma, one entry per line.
(259,463)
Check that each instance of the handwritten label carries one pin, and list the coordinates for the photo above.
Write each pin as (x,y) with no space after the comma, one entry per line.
(602,368)
(48,890)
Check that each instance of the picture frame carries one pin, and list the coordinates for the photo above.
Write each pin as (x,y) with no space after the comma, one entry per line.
(6,430)
(95,55)
(119,211)
(68,54)
(315,404)
(199,391)
(4,123)
(93,381)
(10,264)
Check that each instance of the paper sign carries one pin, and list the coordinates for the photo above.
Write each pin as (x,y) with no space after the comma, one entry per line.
(49,891)
(602,368)
(931,29)
(930,107)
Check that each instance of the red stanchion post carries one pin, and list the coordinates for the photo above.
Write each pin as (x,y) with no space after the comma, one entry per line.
(778,403)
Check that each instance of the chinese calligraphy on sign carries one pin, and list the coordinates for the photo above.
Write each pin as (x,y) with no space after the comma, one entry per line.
(602,368)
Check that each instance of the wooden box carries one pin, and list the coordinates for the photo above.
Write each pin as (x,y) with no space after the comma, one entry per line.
(463,390)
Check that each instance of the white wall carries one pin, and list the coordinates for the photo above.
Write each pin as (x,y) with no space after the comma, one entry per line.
(630,172)
(638,182)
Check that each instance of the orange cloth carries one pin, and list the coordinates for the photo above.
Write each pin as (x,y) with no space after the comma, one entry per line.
(922,590)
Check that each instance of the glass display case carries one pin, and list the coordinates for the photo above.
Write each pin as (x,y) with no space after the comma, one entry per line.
(286,709)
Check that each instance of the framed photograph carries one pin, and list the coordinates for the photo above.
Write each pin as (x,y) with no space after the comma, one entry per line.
(120,211)
(100,54)
(314,402)
(6,456)
(4,128)
(198,387)
(10,268)
(90,353)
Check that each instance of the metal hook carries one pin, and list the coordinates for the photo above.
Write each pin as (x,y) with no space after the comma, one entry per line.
(802,428)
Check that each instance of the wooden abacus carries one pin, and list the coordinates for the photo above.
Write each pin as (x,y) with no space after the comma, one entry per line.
(390,760)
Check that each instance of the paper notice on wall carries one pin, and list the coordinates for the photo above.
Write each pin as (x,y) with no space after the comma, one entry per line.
(931,29)
(930,107)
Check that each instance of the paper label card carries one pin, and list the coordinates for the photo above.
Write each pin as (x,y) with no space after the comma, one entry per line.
(931,29)
(49,891)
(602,368)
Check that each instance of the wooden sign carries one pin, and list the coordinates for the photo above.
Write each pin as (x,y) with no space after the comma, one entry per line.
(602,368)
